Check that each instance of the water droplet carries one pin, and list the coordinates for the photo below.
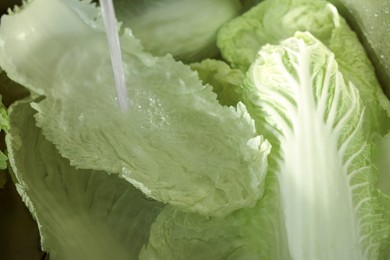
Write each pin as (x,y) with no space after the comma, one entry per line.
(152,102)
(182,82)
(81,117)
(126,171)
(376,14)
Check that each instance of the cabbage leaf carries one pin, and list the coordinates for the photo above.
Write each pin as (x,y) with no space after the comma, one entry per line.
(274,20)
(383,162)
(320,197)
(176,143)
(371,20)
(81,214)
(4,125)
(185,28)
(254,233)
(226,82)
(327,175)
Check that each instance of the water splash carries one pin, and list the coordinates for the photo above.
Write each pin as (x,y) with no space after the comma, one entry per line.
(110,24)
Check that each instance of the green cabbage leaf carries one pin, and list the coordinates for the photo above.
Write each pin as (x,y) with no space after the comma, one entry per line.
(198,137)
(272,21)
(176,143)
(371,20)
(327,174)
(4,125)
(253,233)
(185,28)
(321,200)
(383,162)
(81,214)
(225,81)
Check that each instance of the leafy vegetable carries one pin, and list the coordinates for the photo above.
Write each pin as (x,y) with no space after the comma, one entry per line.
(371,19)
(272,21)
(4,125)
(254,233)
(81,214)
(198,137)
(383,161)
(185,28)
(177,143)
(326,175)
(226,82)
(329,207)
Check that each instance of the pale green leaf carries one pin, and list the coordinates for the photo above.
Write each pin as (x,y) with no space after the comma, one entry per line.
(274,20)
(81,214)
(176,143)
(383,161)
(327,175)
(371,20)
(226,82)
(4,125)
(250,234)
(320,200)
(185,28)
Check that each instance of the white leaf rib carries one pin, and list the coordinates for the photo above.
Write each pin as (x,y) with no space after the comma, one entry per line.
(358,186)
(352,174)
(343,121)
(347,163)
(351,136)
(337,128)
(324,97)
(282,100)
(359,205)
(334,106)
(287,75)
(368,244)
(362,224)
(277,118)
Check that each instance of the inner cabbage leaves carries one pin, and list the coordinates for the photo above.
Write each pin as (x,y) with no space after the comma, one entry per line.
(274,20)
(320,108)
(187,29)
(327,206)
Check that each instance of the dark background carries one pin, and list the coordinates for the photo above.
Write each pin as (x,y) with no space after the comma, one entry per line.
(4,4)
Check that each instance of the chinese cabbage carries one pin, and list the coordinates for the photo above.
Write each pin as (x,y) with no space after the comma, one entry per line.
(371,20)
(176,143)
(4,125)
(327,175)
(254,233)
(186,29)
(81,214)
(320,197)
(274,20)
(226,82)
